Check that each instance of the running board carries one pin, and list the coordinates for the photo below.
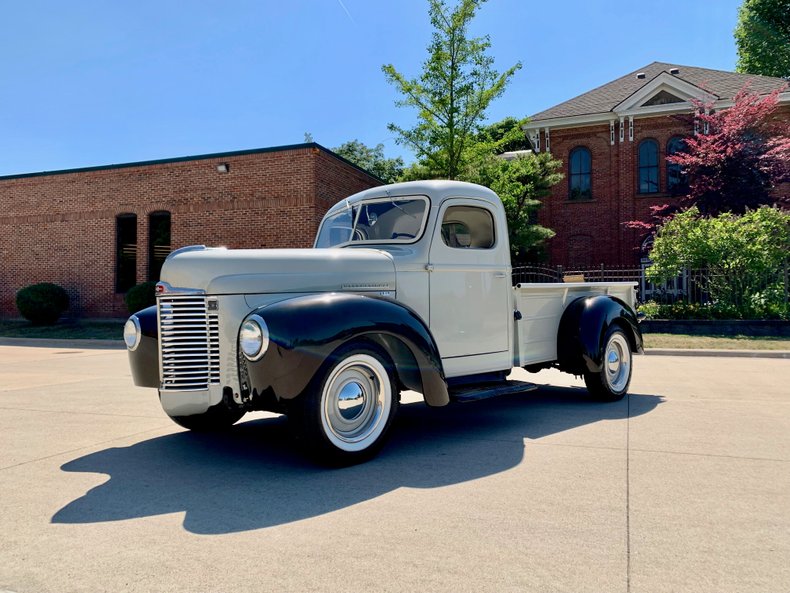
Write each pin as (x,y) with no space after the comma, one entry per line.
(473,393)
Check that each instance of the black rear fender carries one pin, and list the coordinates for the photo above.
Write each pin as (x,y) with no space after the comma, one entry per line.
(582,328)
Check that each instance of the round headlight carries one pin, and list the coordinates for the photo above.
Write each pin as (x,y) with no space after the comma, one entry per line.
(132,333)
(253,337)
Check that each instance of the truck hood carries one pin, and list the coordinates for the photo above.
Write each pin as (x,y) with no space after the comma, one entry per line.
(256,271)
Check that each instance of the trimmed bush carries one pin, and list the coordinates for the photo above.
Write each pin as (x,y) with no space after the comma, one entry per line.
(42,304)
(682,310)
(140,296)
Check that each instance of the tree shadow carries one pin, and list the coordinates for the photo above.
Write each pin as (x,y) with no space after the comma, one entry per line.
(252,476)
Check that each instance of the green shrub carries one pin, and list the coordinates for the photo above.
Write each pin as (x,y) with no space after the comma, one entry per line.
(140,296)
(686,310)
(42,304)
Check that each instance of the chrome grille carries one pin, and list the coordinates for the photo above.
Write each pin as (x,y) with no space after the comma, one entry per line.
(188,342)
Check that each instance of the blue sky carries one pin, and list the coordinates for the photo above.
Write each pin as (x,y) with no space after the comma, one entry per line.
(94,82)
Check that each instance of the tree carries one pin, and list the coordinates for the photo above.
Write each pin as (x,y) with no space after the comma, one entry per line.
(738,254)
(763,38)
(521,183)
(741,159)
(505,136)
(457,84)
(371,159)
(738,164)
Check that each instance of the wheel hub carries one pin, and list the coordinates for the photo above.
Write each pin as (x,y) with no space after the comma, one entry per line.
(613,362)
(618,363)
(351,400)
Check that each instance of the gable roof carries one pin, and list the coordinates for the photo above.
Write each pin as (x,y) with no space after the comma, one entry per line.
(721,84)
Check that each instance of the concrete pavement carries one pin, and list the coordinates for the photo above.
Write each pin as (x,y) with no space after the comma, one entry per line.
(683,486)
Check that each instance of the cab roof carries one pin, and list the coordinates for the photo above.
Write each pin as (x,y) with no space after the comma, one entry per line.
(436,189)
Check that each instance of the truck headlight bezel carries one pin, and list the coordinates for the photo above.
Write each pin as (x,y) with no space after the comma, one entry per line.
(253,337)
(132,334)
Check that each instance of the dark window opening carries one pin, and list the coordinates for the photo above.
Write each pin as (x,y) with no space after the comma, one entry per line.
(158,243)
(648,167)
(662,98)
(677,183)
(580,174)
(125,252)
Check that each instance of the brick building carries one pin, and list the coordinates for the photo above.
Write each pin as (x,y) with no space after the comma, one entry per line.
(613,141)
(98,231)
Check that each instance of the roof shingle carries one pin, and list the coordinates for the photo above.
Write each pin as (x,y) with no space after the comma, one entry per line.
(604,98)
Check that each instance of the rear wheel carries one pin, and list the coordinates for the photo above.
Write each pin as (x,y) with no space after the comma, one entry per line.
(611,382)
(344,415)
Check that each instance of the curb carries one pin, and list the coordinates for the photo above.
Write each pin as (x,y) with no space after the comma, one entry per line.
(46,343)
(718,353)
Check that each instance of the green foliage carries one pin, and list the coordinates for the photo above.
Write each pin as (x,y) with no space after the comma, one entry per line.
(457,84)
(741,254)
(505,136)
(521,183)
(372,160)
(140,296)
(42,304)
(763,38)
(754,309)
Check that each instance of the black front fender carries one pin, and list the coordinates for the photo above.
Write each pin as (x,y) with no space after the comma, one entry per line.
(144,360)
(584,324)
(304,331)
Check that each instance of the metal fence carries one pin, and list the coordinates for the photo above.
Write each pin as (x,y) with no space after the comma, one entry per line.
(692,286)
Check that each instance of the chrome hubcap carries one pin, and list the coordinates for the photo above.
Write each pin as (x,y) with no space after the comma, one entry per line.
(351,400)
(356,402)
(618,363)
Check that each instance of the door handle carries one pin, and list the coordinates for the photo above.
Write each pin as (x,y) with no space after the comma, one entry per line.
(500,275)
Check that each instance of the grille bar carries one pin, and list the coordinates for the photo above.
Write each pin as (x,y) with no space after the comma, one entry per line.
(188,341)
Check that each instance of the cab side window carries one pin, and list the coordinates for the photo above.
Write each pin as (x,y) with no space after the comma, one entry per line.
(468,227)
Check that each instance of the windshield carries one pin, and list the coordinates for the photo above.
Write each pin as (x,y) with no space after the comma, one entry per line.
(383,220)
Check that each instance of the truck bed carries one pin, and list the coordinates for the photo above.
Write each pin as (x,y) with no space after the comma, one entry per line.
(541,306)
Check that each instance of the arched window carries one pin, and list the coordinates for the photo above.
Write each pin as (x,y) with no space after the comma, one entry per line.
(580,174)
(648,167)
(125,252)
(158,242)
(676,180)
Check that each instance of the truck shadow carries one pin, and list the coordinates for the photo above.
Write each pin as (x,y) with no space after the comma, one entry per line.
(252,477)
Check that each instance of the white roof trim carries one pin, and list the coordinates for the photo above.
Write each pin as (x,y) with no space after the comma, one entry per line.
(663,82)
(594,119)
(576,121)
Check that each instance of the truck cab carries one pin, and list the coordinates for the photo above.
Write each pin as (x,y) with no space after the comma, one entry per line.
(408,286)
(449,246)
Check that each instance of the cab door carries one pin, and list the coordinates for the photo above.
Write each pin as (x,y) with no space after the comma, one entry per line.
(470,286)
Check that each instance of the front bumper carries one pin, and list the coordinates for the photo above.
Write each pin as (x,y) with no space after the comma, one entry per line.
(188,403)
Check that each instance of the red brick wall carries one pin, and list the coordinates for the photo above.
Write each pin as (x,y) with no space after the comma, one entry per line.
(592,232)
(61,227)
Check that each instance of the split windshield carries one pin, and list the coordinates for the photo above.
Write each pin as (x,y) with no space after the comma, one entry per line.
(387,220)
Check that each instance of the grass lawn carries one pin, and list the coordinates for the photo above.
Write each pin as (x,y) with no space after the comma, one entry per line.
(716,342)
(100,329)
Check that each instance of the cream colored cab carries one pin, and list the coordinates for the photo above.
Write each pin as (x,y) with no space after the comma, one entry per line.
(470,288)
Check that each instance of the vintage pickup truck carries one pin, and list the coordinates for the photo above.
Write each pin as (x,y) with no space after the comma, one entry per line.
(408,287)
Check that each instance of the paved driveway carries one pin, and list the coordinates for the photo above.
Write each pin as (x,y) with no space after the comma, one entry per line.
(683,486)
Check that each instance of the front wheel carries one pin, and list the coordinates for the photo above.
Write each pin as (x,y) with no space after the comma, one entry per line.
(346,412)
(611,382)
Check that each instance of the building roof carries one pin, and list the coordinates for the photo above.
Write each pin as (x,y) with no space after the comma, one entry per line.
(199,157)
(721,84)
